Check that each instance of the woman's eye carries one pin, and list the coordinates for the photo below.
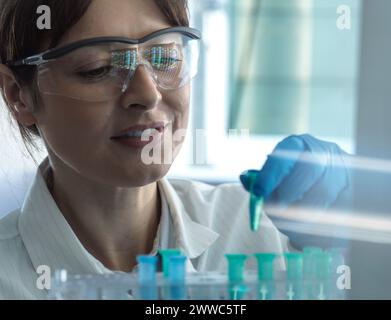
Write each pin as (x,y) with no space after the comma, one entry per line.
(167,63)
(95,74)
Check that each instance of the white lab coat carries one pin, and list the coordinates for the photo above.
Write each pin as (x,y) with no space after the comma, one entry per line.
(204,221)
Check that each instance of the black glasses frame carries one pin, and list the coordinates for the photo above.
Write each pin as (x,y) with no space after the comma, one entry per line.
(37,59)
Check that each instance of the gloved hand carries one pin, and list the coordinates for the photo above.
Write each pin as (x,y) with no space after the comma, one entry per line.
(302,171)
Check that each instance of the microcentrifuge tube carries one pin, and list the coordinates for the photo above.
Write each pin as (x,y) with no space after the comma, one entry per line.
(266,285)
(256,202)
(236,264)
(294,276)
(309,254)
(323,276)
(177,277)
(147,277)
(165,254)
(309,271)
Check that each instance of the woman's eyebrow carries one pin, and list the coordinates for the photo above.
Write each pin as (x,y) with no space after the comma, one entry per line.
(101,54)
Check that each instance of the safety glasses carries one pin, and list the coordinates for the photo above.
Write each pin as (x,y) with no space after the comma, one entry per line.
(100,69)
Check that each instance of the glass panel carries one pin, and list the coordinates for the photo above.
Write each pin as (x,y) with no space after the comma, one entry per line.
(292,69)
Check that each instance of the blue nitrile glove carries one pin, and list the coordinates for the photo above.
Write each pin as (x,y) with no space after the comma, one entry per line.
(302,171)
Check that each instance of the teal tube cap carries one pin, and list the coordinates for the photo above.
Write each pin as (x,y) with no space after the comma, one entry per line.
(294,268)
(236,263)
(265,266)
(166,254)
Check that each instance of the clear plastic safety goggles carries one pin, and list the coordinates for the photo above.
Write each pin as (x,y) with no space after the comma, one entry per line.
(100,69)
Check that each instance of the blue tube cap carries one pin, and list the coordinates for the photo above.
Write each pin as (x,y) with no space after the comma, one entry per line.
(147,268)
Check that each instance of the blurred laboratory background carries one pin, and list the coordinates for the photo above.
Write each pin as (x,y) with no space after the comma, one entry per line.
(269,69)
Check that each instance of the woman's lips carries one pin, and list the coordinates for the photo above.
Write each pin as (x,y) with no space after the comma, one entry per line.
(140,136)
(137,130)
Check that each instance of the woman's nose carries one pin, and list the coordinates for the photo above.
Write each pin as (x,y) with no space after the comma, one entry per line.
(142,90)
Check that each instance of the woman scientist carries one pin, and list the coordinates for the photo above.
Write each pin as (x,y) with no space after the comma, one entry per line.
(90,87)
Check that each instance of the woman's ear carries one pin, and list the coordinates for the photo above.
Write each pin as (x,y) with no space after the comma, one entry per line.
(17,98)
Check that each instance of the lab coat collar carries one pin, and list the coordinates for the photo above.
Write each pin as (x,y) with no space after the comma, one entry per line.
(50,241)
(193,238)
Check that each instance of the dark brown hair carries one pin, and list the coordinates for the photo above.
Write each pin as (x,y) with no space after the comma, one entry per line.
(19,37)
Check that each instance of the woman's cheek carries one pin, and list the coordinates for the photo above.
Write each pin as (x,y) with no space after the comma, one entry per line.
(69,128)
(181,130)
(181,108)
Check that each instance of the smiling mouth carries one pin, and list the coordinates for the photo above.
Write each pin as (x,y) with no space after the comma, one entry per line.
(139,134)
(141,131)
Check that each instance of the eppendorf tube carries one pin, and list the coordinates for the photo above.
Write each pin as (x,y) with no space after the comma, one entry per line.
(294,276)
(237,288)
(177,277)
(166,254)
(323,276)
(266,285)
(256,202)
(309,270)
(147,277)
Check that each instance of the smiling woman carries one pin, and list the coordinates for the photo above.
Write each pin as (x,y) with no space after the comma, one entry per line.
(89,88)
(23,39)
